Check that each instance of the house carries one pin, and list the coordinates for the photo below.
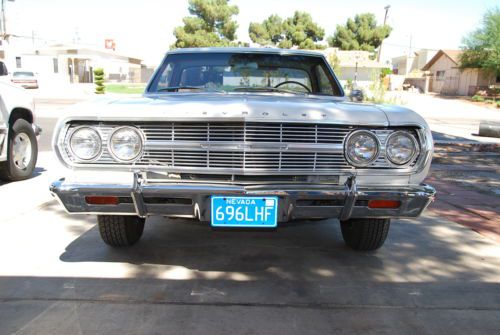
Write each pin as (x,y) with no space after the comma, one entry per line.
(403,65)
(446,77)
(71,63)
(354,65)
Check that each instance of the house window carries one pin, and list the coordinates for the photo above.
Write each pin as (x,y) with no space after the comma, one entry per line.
(56,65)
(18,62)
(439,75)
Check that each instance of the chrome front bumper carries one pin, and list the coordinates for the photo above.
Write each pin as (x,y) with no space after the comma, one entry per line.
(143,198)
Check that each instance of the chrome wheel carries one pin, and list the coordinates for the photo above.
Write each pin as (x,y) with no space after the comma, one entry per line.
(21,151)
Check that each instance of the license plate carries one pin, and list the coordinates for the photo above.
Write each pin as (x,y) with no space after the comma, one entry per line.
(252,212)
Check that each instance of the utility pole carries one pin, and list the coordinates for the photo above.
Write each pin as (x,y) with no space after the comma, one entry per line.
(4,32)
(385,20)
(3,29)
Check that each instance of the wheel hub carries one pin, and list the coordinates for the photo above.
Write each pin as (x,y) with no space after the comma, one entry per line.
(21,151)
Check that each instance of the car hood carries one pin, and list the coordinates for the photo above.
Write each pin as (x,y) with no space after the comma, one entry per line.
(238,107)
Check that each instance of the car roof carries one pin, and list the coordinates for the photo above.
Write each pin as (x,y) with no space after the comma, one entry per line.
(277,51)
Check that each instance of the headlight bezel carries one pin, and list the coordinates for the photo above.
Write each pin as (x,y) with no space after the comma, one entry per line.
(412,158)
(346,147)
(113,154)
(72,151)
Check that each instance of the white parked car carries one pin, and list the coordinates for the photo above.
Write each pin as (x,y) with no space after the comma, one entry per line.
(25,79)
(244,138)
(18,133)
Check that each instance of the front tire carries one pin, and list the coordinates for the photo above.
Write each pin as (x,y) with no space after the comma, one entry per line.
(365,234)
(22,152)
(120,230)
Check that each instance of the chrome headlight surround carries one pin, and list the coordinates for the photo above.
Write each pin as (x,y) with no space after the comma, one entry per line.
(411,158)
(138,152)
(348,144)
(97,153)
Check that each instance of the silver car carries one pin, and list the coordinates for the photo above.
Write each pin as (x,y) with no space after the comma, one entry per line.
(244,138)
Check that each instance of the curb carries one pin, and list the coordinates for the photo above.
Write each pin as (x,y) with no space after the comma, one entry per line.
(469,146)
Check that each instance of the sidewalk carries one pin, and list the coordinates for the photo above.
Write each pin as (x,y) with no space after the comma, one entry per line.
(451,120)
(472,209)
(467,180)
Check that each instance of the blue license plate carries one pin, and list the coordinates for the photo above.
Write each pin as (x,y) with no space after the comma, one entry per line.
(252,212)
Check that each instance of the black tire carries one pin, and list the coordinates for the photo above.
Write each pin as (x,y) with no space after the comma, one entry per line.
(120,230)
(9,171)
(365,234)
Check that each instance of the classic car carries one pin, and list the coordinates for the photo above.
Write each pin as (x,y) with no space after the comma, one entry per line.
(18,133)
(244,138)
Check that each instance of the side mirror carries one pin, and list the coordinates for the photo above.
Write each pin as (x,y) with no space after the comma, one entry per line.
(356,95)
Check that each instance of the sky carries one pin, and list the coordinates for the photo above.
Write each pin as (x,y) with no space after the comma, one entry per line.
(143,28)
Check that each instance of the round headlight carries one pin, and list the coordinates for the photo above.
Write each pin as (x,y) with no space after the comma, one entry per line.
(125,144)
(401,147)
(85,143)
(362,148)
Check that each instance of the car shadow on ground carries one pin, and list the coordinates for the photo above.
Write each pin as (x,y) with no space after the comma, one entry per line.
(36,172)
(426,249)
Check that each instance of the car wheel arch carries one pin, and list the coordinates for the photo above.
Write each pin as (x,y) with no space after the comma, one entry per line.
(20,113)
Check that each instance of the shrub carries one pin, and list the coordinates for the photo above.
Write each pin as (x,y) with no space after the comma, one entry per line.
(99,81)
(478,98)
(385,71)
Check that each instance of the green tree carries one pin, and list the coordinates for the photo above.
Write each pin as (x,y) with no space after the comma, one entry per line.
(297,31)
(211,24)
(482,46)
(362,33)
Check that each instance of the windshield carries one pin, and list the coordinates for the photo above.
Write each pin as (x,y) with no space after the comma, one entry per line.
(228,72)
(23,74)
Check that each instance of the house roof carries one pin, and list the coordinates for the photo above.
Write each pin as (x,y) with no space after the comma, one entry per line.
(453,55)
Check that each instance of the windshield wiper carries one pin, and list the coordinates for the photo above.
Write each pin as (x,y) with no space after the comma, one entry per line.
(198,88)
(266,89)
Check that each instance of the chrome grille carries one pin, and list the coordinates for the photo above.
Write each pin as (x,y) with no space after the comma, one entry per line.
(240,147)
(272,158)
(249,132)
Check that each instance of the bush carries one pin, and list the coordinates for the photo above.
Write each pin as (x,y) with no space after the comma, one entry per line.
(478,98)
(385,71)
(99,81)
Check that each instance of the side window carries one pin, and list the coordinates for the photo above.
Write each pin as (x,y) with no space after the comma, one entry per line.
(325,86)
(3,69)
(440,75)
(166,77)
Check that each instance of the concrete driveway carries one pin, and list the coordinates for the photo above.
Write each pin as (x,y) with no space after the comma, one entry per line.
(57,277)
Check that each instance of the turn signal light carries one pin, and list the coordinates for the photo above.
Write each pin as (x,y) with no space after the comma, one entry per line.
(384,204)
(101,200)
